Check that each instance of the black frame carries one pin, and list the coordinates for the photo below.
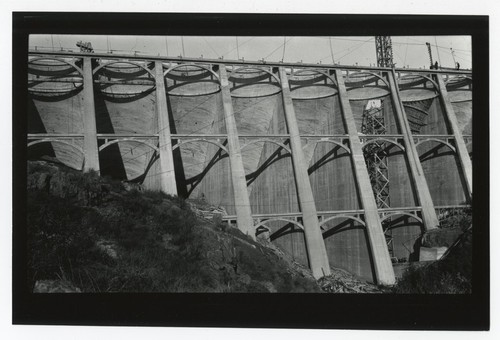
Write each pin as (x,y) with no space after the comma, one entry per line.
(363,311)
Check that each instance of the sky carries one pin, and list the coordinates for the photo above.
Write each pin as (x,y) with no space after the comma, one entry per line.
(408,51)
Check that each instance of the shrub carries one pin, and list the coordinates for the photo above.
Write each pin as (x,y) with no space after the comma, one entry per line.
(452,275)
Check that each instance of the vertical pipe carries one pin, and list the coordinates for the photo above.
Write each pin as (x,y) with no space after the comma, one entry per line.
(463,155)
(316,249)
(381,260)
(91,151)
(167,177)
(429,216)
(241,198)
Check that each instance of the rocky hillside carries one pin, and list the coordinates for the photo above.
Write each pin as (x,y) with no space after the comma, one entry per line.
(452,274)
(92,234)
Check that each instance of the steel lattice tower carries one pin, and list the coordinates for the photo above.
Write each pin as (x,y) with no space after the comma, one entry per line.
(383,45)
(375,155)
(376,160)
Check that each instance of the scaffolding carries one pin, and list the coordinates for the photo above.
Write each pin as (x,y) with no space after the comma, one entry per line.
(383,45)
(376,159)
(375,153)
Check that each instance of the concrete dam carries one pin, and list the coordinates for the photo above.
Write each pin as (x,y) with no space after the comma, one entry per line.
(339,166)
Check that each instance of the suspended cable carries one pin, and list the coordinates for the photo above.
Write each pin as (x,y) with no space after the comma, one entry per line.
(437,49)
(182,41)
(217,54)
(284,46)
(166,44)
(224,54)
(354,49)
(277,48)
(331,49)
(107,42)
(406,52)
(135,44)
(237,49)
(52,38)
(346,49)
(453,55)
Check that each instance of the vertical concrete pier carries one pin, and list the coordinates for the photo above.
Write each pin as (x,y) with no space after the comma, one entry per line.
(463,155)
(429,216)
(91,151)
(383,267)
(316,249)
(168,184)
(241,198)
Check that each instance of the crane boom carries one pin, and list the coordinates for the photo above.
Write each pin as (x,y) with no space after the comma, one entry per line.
(430,53)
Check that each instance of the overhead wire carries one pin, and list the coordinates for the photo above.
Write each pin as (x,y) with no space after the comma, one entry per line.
(284,46)
(182,42)
(135,44)
(224,54)
(346,49)
(406,52)
(277,48)
(331,49)
(217,54)
(237,49)
(437,49)
(354,49)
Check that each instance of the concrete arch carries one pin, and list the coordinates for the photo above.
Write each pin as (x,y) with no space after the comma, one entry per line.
(416,75)
(79,70)
(401,213)
(385,140)
(219,145)
(266,140)
(373,74)
(317,72)
(195,65)
(263,223)
(432,139)
(105,145)
(342,216)
(255,68)
(53,140)
(333,142)
(123,62)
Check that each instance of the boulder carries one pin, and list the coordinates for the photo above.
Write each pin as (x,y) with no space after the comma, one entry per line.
(55,286)
(442,237)
(109,248)
(431,254)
